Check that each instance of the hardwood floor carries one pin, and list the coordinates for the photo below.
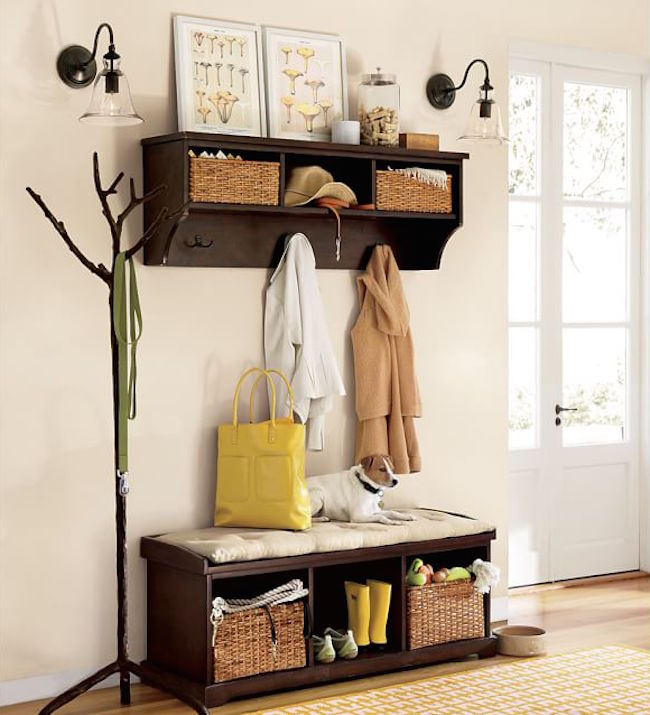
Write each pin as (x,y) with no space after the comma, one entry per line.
(580,615)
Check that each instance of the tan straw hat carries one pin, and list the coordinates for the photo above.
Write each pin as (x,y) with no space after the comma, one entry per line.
(307,183)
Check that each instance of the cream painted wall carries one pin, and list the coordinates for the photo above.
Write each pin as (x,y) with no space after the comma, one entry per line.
(203,327)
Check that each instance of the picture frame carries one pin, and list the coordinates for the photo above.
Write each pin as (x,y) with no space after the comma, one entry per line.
(219,76)
(304,70)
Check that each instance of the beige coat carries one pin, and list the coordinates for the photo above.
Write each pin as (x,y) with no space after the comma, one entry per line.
(387,393)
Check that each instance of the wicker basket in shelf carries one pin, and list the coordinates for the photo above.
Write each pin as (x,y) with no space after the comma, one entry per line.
(224,181)
(443,612)
(396,192)
(244,645)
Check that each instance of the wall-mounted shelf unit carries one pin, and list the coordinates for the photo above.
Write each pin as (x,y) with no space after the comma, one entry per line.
(235,235)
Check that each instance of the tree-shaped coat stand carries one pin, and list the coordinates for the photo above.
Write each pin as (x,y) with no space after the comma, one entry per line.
(122,665)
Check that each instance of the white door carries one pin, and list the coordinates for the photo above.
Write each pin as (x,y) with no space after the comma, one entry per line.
(573,269)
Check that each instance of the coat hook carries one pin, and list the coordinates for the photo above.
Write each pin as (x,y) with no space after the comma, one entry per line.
(198,242)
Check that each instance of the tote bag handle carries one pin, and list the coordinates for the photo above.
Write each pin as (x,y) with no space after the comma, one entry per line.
(235,402)
(281,375)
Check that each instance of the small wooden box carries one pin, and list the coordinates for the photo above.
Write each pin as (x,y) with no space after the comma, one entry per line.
(429,142)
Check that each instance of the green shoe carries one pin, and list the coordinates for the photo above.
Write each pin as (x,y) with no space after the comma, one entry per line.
(344,643)
(323,649)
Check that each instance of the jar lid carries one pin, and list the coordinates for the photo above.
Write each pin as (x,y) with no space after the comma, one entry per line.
(379,77)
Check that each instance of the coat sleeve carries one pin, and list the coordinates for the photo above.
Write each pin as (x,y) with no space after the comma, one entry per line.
(282,324)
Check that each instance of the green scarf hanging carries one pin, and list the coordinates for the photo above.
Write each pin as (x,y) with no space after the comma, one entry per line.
(127,324)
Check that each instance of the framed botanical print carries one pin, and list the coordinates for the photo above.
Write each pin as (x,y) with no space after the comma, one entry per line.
(219,78)
(306,87)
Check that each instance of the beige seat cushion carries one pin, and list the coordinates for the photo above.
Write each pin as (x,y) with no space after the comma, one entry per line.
(224,544)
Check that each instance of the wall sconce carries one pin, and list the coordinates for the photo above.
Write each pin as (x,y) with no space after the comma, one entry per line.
(111,102)
(484,121)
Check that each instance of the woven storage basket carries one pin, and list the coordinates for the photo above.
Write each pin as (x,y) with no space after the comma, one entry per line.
(443,612)
(243,644)
(396,192)
(223,181)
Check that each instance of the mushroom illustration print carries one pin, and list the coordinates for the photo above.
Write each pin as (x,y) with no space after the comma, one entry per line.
(241,41)
(198,38)
(243,72)
(305,53)
(325,105)
(204,111)
(218,66)
(288,102)
(315,85)
(200,93)
(220,43)
(230,39)
(309,112)
(292,74)
(230,68)
(212,38)
(287,51)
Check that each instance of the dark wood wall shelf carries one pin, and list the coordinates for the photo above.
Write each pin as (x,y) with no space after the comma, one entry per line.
(181,585)
(253,236)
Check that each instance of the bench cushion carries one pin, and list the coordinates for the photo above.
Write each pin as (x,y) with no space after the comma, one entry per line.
(221,545)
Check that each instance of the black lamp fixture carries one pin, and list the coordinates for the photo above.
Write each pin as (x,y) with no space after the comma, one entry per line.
(111,102)
(484,121)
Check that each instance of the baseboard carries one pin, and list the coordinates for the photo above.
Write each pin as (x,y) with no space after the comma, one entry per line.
(499,609)
(49,686)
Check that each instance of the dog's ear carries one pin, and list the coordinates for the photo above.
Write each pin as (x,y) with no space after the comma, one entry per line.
(366,463)
(389,462)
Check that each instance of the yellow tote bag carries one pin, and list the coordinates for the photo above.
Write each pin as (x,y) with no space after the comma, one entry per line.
(261,468)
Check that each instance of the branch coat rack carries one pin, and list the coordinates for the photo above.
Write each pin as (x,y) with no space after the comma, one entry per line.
(122,665)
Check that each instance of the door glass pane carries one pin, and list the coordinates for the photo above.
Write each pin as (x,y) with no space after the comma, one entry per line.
(594,265)
(594,382)
(595,142)
(522,261)
(523,131)
(523,387)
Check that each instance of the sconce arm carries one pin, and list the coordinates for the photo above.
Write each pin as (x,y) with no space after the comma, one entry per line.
(486,82)
(111,44)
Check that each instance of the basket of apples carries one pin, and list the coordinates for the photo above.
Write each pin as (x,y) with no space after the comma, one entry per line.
(441,605)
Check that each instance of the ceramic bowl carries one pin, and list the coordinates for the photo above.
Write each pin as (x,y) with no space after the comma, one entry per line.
(521,641)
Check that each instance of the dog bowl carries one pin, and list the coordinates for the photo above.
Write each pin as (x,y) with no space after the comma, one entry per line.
(521,641)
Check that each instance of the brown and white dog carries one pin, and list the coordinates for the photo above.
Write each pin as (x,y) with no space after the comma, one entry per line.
(355,494)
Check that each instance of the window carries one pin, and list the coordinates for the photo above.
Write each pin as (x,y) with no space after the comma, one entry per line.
(573,230)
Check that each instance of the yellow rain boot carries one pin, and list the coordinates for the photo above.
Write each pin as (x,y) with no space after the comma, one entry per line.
(379,606)
(358,599)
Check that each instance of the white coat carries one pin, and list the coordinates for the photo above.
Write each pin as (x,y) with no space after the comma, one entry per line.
(296,340)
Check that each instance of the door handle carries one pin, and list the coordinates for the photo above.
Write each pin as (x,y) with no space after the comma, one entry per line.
(559,409)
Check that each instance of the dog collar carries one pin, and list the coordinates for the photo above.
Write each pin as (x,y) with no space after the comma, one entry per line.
(369,487)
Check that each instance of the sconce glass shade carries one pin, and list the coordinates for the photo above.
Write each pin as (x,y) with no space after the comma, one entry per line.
(111,103)
(484,123)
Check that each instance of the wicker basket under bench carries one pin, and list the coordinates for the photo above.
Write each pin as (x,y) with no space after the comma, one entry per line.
(181,585)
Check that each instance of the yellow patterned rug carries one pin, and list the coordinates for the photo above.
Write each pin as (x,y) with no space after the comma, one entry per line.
(603,681)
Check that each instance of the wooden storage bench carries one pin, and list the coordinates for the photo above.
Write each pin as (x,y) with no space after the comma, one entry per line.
(182,583)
